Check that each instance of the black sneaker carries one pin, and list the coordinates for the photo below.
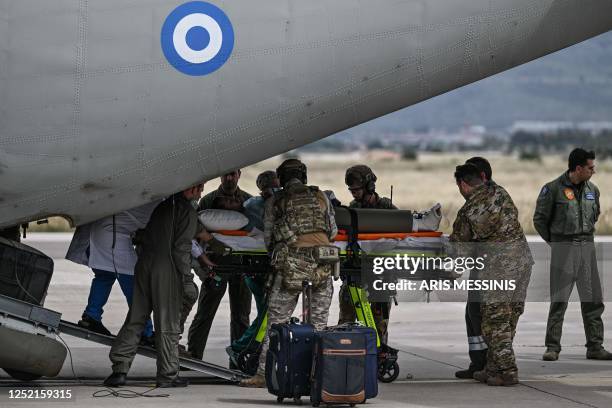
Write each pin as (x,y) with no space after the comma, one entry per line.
(93,325)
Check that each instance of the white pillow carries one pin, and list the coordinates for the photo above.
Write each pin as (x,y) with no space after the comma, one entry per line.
(216,220)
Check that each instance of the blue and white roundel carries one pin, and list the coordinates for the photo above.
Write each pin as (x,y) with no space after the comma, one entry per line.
(197,38)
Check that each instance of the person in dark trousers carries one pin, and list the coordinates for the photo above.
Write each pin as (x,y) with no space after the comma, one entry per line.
(565,217)
(164,259)
(268,183)
(227,197)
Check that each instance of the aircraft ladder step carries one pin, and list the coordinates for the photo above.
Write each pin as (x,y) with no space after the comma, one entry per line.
(191,363)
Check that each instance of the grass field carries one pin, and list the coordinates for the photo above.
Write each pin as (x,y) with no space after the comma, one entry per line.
(420,184)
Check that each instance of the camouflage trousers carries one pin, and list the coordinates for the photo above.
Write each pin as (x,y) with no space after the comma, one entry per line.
(281,305)
(499,321)
(380,312)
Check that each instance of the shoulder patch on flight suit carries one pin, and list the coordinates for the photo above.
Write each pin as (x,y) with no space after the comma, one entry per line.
(569,193)
(589,195)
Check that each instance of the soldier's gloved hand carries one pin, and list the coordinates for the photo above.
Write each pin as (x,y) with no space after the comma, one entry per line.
(218,247)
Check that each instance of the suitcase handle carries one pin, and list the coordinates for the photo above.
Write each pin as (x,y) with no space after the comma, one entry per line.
(345,326)
(306,298)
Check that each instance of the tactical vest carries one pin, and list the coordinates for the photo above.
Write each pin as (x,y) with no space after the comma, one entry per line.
(298,212)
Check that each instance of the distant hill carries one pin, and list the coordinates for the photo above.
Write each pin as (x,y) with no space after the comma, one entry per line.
(574,84)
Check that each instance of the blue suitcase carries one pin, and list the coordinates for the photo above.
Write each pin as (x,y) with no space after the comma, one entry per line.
(345,366)
(371,369)
(289,357)
(289,360)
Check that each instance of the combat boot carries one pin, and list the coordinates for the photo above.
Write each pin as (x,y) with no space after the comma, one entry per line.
(551,355)
(183,353)
(481,376)
(504,380)
(465,374)
(256,381)
(177,382)
(115,380)
(599,354)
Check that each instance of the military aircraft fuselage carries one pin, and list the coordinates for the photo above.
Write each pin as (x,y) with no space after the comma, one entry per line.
(108,104)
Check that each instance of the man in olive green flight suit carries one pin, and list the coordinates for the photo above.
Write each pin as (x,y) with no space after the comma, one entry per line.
(164,258)
(227,197)
(565,217)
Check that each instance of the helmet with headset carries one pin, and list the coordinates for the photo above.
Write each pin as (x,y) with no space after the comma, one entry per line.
(290,169)
(362,176)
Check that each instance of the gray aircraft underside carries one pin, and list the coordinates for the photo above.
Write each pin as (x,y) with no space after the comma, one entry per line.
(97,116)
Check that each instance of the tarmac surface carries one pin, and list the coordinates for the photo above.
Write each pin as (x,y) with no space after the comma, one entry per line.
(431,337)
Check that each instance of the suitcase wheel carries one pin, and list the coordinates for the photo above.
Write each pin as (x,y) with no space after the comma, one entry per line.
(315,405)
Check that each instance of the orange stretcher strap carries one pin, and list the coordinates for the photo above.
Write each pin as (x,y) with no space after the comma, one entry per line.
(238,233)
(343,236)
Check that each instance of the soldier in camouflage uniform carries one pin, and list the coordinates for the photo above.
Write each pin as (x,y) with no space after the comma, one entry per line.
(489,222)
(477,346)
(297,221)
(565,217)
(361,182)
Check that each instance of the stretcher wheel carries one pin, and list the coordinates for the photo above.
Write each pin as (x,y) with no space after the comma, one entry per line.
(21,375)
(297,401)
(279,400)
(388,374)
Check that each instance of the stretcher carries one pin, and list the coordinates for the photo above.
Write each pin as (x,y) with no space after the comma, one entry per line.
(250,256)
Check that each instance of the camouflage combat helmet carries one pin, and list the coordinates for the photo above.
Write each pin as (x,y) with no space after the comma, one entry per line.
(266,180)
(361,175)
(290,169)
